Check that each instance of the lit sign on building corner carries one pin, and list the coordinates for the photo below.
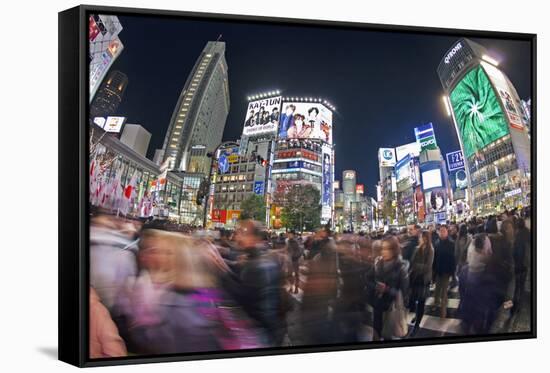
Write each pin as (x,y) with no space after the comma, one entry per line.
(452,52)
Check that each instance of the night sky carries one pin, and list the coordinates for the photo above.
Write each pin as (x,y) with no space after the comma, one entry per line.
(383,84)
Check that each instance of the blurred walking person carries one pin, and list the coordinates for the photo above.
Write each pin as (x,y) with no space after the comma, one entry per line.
(474,304)
(259,287)
(295,251)
(391,281)
(420,276)
(522,255)
(320,290)
(444,266)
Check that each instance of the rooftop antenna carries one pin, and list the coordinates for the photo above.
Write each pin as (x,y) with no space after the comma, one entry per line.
(219,37)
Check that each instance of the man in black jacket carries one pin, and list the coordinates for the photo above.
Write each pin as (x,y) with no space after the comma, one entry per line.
(444,267)
(412,243)
(259,283)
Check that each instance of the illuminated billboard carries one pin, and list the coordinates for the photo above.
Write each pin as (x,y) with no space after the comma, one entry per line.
(386,157)
(425,136)
(432,179)
(435,200)
(360,189)
(305,120)
(402,151)
(513,110)
(262,117)
(405,175)
(479,118)
(114,124)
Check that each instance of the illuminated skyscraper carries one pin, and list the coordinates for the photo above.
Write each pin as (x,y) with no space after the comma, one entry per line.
(492,132)
(109,95)
(198,120)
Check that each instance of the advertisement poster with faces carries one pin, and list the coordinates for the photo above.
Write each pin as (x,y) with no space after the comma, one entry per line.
(262,117)
(435,200)
(512,110)
(305,120)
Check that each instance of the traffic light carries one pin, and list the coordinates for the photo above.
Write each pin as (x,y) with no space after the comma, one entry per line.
(261,161)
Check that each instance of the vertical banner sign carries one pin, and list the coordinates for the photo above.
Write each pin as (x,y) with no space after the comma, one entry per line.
(326,197)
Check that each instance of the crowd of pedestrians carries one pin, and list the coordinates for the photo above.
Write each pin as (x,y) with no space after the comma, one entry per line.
(158,288)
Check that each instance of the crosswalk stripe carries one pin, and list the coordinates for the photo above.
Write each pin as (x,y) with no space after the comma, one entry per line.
(451,302)
(447,325)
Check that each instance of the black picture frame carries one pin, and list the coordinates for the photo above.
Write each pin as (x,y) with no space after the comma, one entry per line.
(73,219)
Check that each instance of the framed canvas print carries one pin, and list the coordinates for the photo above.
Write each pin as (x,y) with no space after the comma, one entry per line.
(234,186)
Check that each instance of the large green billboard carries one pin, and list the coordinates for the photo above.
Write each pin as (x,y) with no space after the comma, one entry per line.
(477,111)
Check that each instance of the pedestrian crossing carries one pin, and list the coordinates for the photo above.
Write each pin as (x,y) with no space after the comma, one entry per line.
(431,325)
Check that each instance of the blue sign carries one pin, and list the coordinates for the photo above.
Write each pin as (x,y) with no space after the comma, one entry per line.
(455,160)
(223,164)
(259,188)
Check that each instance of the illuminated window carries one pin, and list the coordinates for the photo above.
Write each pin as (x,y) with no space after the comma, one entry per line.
(176,133)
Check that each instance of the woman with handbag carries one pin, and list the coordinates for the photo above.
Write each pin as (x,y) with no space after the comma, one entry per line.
(391,282)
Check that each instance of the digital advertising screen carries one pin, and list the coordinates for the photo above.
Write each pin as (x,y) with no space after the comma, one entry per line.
(431,179)
(478,114)
(305,120)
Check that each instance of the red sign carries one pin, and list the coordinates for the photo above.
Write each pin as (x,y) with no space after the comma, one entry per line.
(93,29)
(360,188)
(219,216)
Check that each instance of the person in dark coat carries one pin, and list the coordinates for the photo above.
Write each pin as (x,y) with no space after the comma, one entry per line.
(390,278)
(462,243)
(522,250)
(412,243)
(260,282)
(320,290)
(295,251)
(500,269)
(474,299)
(420,276)
(444,266)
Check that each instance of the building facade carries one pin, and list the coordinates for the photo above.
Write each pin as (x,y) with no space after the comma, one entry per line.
(489,120)
(104,47)
(198,120)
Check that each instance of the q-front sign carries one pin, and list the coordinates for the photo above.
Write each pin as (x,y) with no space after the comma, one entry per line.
(452,52)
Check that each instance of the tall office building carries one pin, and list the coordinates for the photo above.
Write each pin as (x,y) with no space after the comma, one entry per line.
(491,129)
(198,120)
(109,95)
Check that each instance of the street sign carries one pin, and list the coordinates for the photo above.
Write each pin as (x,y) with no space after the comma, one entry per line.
(259,188)
(223,164)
